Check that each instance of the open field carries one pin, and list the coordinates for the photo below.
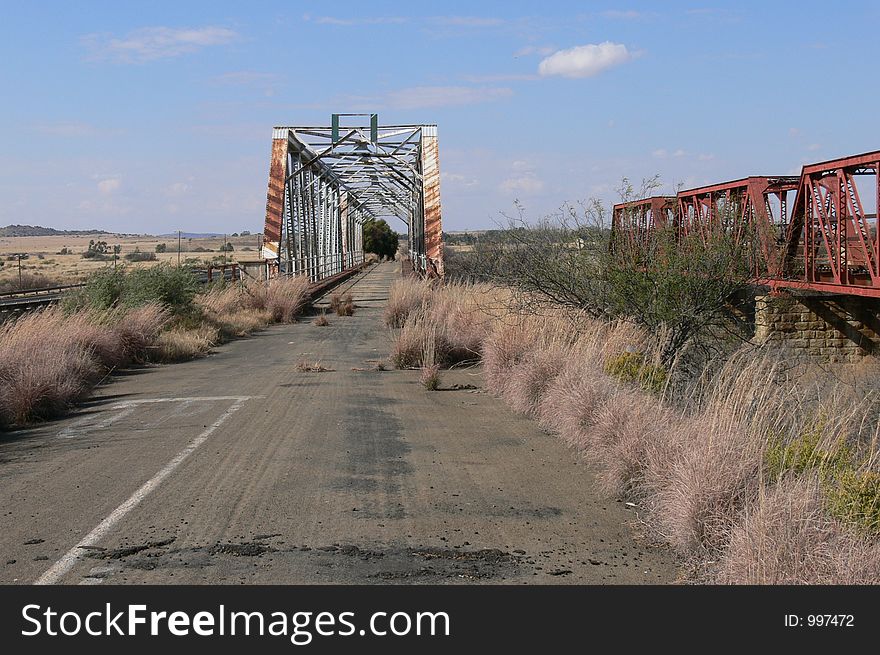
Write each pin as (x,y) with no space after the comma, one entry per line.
(69,268)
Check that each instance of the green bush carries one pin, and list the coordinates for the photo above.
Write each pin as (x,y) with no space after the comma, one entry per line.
(633,367)
(852,493)
(138,256)
(172,286)
(854,498)
(804,454)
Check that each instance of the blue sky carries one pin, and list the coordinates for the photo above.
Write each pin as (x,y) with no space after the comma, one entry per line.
(152,117)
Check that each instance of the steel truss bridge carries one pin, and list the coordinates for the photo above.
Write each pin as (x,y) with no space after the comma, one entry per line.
(326,183)
(817,231)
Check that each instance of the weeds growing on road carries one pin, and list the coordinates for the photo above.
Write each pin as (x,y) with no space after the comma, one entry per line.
(753,476)
(343,305)
(430,377)
(307,366)
(321,320)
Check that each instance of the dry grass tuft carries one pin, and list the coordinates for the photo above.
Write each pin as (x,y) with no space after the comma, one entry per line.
(344,305)
(285,298)
(49,359)
(180,344)
(404,298)
(528,381)
(430,377)
(786,537)
(321,320)
(307,366)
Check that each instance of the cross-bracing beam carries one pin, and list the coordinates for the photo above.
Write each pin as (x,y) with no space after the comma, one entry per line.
(326,183)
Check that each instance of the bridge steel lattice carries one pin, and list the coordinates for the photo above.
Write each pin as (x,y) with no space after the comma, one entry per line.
(326,183)
(815,232)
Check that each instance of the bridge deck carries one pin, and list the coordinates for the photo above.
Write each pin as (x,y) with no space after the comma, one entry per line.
(350,475)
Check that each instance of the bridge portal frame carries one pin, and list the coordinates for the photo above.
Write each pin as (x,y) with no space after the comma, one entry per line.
(327,183)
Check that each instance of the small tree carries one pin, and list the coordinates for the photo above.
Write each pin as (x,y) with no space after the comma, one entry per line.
(161,247)
(380,239)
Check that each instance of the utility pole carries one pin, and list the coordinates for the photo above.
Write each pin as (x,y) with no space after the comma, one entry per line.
(178,248)
(224,250)
(19,256)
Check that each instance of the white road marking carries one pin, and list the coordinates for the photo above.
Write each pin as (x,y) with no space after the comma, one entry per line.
(83,425)
(146,401)
(69,559)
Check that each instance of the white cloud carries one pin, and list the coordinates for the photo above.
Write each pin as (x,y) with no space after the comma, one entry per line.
(585,60)
(527,183)
(679,153)
(660,153)
(457,179)
(706,157)
(151,43)
(444,96)
(813,147)
(108,186)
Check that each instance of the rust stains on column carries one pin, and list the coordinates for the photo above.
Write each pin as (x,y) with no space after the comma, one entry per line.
(275,197)
(431,186)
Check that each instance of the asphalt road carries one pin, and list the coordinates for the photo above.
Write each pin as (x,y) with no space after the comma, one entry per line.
(240,467)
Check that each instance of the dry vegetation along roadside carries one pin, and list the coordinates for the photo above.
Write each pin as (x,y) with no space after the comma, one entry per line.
(765,473)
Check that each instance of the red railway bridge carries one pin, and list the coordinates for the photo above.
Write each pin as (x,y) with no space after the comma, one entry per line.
(815,232)
(818,247)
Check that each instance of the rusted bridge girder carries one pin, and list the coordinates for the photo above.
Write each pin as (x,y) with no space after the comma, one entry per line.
(813,232)
(326,183)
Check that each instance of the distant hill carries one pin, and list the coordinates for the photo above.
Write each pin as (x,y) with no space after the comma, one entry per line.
(38,231)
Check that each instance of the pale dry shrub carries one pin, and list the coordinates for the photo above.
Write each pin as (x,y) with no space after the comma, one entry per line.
(529,380)
(710,464)
(222,300)
(466,313)
(405,297)
(570,405)
(321,320)
(243,322)
(286,297)
(712,474)
(236,310)
(179,344)
(43,380)
(429,378)
(139,327)
(48,362)
(505,347)
(786,537)
(514,339)
(626,426)
(419,335)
